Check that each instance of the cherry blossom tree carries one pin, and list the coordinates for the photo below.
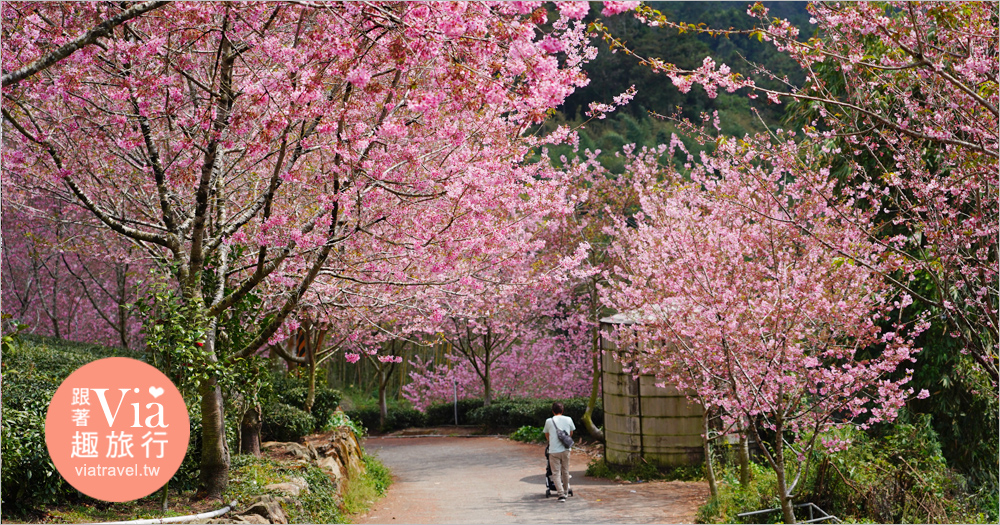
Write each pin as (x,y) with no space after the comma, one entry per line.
(580,242)
(56,282)
(761,318)
(511,329)
(911,86)
(24,24)
(252,147)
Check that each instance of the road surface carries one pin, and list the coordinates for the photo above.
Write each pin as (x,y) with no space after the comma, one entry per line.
(496,480)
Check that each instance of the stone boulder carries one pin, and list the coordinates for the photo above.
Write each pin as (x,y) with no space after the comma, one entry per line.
(292,487)
(343,449)
(305,452)
(339,454)
(267,507)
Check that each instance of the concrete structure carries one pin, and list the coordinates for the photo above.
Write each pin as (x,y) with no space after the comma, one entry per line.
(643,422)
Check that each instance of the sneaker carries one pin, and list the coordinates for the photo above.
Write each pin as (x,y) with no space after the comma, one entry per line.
(562,499)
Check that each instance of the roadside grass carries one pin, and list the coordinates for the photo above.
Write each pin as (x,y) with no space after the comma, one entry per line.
(599,468)
(364,489)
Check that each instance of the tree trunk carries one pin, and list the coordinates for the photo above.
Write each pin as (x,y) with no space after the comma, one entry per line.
(595,386)
(709,464)
(121,280)
(744,458)
(250,431)
(165,497)
(383,406)
(487,388)
(311,393)
(787,511)
(214,476)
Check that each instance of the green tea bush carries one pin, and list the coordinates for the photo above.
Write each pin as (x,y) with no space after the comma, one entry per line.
(397,418)
(34,367)
(285,423)
(529,434)
(515,413)
(443,414)
(28,477)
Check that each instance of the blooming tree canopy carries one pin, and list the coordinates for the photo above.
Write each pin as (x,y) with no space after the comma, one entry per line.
(737,303)
(913,86)
(249,147)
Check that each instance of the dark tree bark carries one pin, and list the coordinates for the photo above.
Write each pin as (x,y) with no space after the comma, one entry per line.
(250,431)
(214,478)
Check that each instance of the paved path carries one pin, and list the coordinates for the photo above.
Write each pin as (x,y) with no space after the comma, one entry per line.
(496,480)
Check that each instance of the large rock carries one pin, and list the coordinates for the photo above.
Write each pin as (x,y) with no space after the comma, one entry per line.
(267,507)
(332,467)
(292,487)
(253,518)
(344,446)
(305,452)
(340,456)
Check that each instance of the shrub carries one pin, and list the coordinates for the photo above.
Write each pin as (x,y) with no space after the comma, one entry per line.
(186,477)
(894,473)
(529,435)
(326,403)
(442,414)
(397,417)
(33,369)
(293,391)
(29,477)
(286,423)
(341,419)
(400,418)
(367,416)
(599,468)
(515,413)
(761,493)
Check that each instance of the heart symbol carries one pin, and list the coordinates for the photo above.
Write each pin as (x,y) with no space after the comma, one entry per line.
(155,392)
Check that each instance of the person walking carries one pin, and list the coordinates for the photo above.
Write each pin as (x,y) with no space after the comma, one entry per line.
(558,452)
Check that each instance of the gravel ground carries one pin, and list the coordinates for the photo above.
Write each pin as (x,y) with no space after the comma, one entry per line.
(495,480)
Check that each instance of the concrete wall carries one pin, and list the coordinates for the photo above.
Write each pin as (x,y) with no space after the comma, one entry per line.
(645,422)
